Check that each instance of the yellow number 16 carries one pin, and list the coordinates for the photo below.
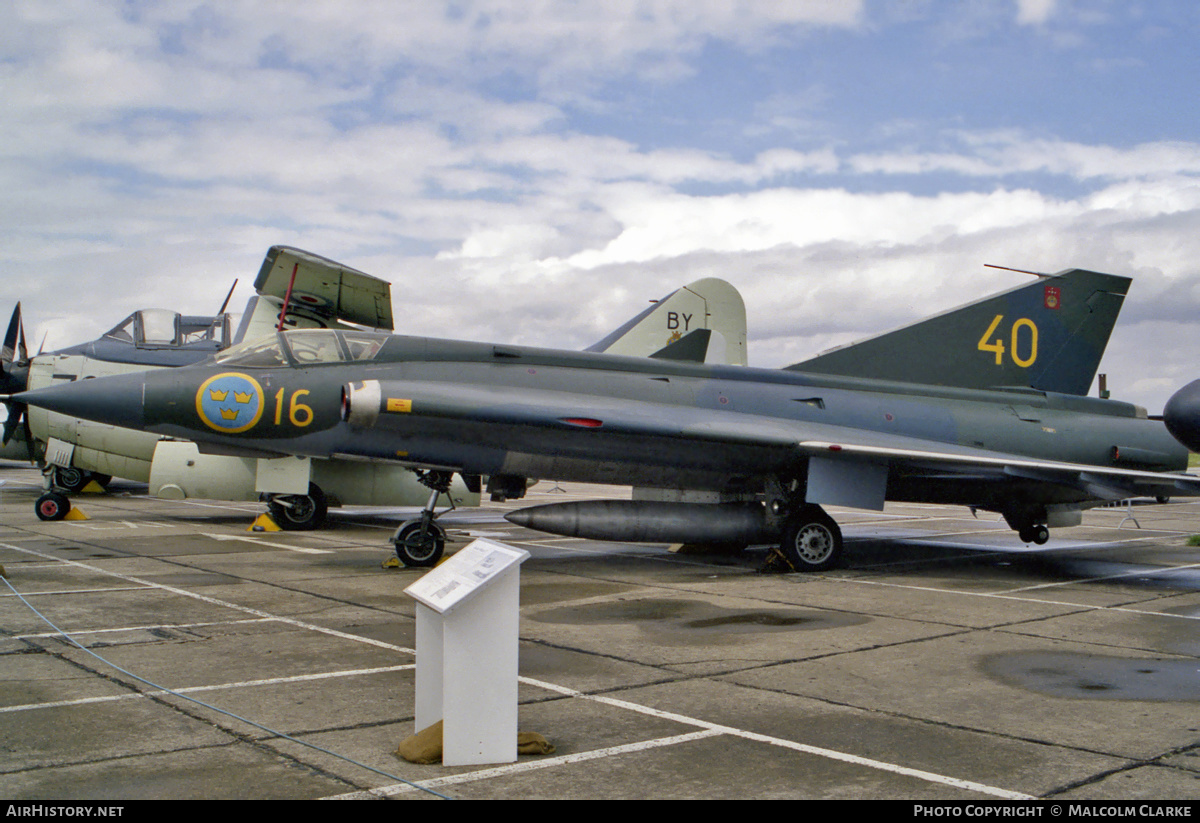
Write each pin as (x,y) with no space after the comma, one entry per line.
(1016,339)
(298,413)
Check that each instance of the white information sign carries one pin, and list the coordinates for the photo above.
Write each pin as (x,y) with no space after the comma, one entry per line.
(465,573)
(467,635)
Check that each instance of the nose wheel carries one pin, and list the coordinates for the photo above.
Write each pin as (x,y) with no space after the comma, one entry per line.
(419,543)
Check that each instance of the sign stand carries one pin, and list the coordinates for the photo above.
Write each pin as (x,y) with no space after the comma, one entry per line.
(467,631)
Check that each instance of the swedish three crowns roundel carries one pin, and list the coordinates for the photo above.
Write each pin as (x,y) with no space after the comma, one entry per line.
(230,402)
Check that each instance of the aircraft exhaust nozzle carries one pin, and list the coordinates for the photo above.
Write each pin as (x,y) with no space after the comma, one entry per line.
(361,403)
(649,521)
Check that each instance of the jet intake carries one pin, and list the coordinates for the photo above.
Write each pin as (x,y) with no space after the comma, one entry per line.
(649,521)
(361,403)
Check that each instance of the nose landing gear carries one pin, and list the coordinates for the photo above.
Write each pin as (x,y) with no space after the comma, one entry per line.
(420,543)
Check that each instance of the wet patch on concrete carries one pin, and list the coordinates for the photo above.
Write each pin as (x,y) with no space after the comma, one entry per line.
(1098,677)
(749,619)
(696,616)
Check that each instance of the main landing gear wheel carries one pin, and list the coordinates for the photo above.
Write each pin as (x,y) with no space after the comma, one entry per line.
(1035,534)
(812,541)
(299,512)
(419,543)
(70,478)
(52,506)
(74,480)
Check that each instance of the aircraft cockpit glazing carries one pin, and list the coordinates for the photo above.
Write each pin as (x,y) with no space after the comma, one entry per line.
(166,329)
(305,347)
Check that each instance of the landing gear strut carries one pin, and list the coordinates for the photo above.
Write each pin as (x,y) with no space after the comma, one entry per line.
(420,543)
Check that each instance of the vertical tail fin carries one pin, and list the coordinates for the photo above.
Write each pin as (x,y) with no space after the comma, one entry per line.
(1048,335)
(709,304)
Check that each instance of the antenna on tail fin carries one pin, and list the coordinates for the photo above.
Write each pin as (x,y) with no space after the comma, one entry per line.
(1018,271)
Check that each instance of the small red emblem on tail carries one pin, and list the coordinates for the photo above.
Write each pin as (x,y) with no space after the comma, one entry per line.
(1053,297)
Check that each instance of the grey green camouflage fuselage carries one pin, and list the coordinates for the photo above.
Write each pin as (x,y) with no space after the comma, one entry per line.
(482,409)
(789,438)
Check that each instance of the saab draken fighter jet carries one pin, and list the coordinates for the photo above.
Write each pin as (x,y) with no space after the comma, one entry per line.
(982,406)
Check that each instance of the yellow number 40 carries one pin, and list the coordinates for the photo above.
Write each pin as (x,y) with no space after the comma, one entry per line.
(1017,342)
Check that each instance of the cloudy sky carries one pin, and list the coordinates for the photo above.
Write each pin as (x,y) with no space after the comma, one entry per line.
(534,171)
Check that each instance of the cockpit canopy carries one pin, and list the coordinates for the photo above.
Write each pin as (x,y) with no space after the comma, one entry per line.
(305,347)
(166,329)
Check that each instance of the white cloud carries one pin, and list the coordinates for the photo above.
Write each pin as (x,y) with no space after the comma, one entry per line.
(997,154)
(657,224)
(1034,12)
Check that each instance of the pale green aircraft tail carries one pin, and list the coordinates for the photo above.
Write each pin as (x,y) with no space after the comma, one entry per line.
(1048,335)
(702,322)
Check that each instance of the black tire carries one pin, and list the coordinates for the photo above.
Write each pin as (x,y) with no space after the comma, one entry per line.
(1039,535)
(70,478)
(302,512)
(52,506)
(812,541)
(419,547)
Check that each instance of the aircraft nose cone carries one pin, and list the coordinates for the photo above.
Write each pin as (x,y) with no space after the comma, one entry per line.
(115,400)
(1182,415)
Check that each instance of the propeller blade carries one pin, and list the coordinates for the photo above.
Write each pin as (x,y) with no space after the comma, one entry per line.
(10,337)
(22,350)
(16,414)
(18,417)
(29,444)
